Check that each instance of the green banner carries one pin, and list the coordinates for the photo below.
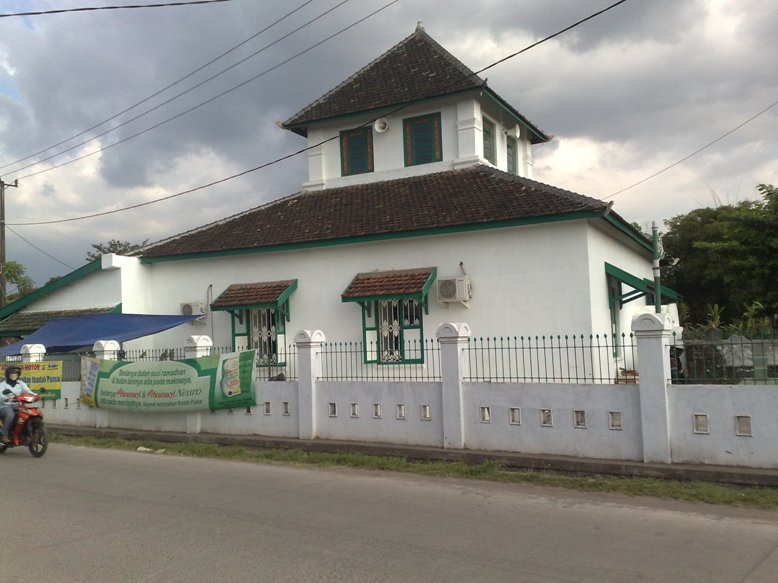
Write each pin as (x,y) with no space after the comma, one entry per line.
(171,386)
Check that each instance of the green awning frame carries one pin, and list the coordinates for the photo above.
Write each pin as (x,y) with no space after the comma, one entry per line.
(281,304)
(641,287)
(420,296)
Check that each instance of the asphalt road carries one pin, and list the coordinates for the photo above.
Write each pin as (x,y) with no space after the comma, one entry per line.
(81,514)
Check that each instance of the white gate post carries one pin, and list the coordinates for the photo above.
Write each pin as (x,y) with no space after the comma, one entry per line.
(454,365)
(652,333)
(33,352)
(309,370)
(196,346)
(106,349)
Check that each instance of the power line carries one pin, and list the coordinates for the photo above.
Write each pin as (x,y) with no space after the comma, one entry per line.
(39,249)
(697,151)
(94,8)
(155,94)
(214,98)
(302,150)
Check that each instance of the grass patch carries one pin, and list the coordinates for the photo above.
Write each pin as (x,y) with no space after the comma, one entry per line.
(693,491)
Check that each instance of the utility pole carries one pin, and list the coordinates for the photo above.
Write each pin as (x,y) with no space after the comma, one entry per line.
(656,269)
(3,299)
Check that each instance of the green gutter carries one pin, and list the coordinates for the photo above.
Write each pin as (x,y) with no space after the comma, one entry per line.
(50,288)
(379,237)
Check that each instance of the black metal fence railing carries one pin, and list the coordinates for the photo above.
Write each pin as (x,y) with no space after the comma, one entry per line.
(355,361)
(553,359)
(731,361)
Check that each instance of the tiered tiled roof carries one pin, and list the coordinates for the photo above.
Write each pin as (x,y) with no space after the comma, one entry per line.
(474,196)
(415,69)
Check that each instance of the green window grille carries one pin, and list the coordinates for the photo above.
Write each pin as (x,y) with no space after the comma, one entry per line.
(356,151)
(489,141)
(422,141)
(393,331)
(511,146)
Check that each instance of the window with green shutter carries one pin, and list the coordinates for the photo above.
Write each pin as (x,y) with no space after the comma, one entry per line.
(356,151)
(512,155)
(489,142)
(422,141)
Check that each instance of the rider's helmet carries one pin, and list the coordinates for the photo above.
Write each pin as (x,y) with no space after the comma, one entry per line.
(12,374)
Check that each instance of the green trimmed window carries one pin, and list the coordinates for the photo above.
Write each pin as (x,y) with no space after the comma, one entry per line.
(393,331)
(489,141)
(512,147)
(263,330)
(356,151)
(422,139)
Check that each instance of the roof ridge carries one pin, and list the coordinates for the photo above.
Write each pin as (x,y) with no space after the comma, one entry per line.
(419,33)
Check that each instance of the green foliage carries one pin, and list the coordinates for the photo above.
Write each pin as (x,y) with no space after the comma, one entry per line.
(16,274)
(113,246)
(728,258)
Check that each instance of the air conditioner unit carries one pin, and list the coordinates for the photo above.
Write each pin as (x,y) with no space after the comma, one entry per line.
(193,309)
(454,289)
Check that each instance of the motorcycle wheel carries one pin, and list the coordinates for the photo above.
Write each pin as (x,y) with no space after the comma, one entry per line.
(38,438)
(3,447)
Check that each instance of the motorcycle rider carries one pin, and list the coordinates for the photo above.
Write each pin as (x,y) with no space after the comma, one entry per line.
(9,388)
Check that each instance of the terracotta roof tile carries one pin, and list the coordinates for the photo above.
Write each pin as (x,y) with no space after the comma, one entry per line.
(30,321)
(414,69)
(388,283)
(478,195)
(250,294)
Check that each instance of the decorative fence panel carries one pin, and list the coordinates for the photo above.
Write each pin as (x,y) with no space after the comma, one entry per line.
(553,359)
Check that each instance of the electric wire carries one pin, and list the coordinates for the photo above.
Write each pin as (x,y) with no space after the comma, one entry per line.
(31,244)
(697,151)
(155,94)
(207,101)
(95,8)
(290,155)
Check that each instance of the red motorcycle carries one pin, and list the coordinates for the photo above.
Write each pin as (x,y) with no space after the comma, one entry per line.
(27,428)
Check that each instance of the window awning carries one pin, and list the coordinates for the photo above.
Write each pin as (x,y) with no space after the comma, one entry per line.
(396,284)
(252,296)
(66,334)
(640,286)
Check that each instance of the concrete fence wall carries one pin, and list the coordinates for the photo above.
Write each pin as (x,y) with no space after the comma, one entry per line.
(650,421)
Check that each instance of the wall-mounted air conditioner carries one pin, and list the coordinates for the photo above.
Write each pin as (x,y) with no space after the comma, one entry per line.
(193,309)
(454,289)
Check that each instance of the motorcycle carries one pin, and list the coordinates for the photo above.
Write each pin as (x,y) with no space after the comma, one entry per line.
(27,428)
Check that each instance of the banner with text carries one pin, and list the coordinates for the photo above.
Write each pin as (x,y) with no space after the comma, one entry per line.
(43,376)
(220,381)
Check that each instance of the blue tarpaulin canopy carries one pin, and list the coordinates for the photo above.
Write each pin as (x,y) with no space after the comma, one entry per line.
(66,334)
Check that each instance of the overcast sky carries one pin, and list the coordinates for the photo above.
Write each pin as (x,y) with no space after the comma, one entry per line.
(625,95)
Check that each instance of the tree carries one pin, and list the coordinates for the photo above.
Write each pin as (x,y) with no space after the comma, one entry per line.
(727,257)
(16,274)
(113,246)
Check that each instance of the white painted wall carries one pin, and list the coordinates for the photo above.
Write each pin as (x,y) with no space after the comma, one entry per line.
(462,144)
(722,404)
(98,289)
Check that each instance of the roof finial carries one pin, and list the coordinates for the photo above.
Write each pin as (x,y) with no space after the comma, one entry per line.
(419,26)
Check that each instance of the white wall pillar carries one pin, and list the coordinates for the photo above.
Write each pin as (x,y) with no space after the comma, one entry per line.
(652,333)
(454,365)
(198,346)
(33,352)
(309,370)
(106,349)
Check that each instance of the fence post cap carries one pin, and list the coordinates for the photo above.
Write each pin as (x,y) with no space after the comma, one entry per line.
(453,330)
(651,322)
(199,341)
(33,349)
(309,336)
(105,345)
